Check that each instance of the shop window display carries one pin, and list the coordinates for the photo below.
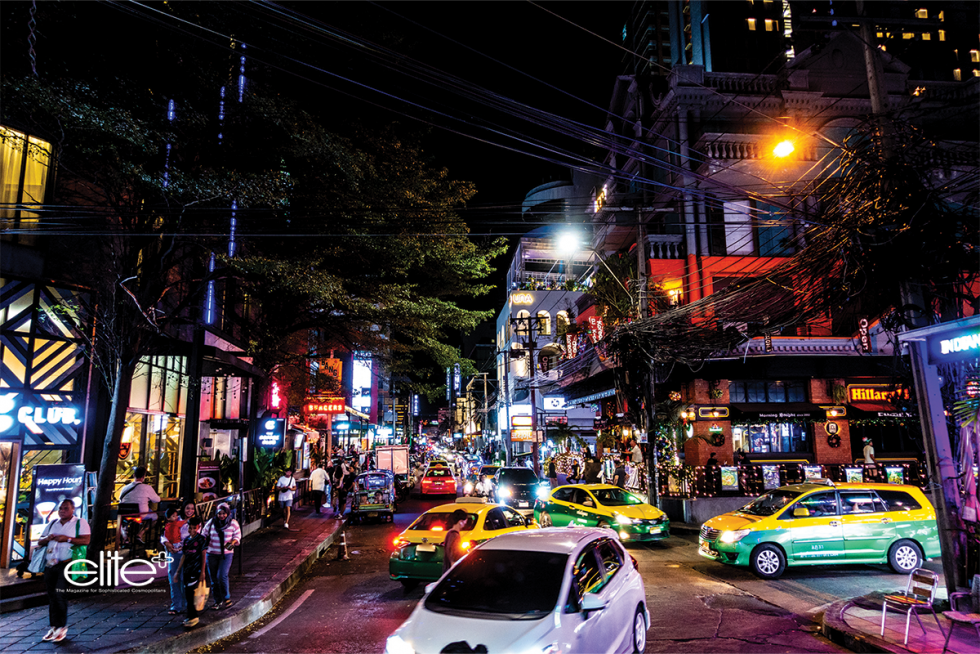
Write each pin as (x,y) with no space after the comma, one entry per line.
(776,437)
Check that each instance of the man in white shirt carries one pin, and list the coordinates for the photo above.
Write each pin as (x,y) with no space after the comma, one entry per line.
(869,452)
(142,494)
(286,486)
(636,453)
(59,537)
(318,481)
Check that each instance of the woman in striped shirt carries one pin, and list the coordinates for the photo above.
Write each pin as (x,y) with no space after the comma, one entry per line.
(224,535)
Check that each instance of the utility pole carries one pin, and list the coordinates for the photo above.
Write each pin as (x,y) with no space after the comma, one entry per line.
(531,327)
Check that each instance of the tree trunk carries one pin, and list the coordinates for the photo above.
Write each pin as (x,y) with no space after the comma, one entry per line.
(123,381)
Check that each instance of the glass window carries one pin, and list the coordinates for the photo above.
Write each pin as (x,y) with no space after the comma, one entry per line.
(774,437)
(587,573)
(751,24)
(544,323)
(516,583)
(898,500)
(494,520)
(512,518)
(610,558)
(582,497)
(439,521)
(770,503)
(819,504)
(563,494)
(438,472)
(616,497)
(25,162)
(855,502)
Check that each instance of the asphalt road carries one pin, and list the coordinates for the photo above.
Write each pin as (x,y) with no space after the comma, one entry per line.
(696,605)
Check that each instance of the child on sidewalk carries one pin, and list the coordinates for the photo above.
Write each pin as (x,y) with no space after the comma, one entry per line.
(193,561)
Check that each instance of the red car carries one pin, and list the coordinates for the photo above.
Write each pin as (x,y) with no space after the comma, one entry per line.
(439,481)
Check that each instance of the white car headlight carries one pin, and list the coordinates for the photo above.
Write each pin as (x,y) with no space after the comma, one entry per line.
(468,488)
(542,493)
(505,492)
(397,645)
(623,520)
(734,536)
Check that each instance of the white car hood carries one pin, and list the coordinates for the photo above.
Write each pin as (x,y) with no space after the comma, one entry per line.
(428,632)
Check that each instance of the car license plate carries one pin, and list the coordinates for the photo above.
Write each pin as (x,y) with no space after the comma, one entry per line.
(372,514)
(425,547)
(522,505)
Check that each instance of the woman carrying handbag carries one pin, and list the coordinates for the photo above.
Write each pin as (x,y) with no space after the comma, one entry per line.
(224,535)
(63,536)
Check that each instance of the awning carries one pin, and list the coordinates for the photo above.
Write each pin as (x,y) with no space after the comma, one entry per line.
(775,411)
(876,411)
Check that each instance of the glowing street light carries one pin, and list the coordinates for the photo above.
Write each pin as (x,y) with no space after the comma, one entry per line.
(783,149)
(568,243)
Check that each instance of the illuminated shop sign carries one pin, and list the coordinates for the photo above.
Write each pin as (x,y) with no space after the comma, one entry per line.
(13,412)
(554,403)
(275,399)
(875,393)
(326,405)
(521,298)
(361,381)
(270,433)
(457,378)
(712,412)
(960,346)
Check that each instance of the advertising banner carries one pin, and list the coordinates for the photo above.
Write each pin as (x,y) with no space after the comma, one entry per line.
(52,485)
(270,433)
(770,477)
(208,481)
(812,472)
(729,478)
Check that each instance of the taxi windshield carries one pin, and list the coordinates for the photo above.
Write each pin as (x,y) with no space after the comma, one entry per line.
(769,503)
(440,522)
(375,482)
(615,497)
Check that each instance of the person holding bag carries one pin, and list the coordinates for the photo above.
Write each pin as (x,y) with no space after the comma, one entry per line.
(193,561)
(65,539)
(224,535)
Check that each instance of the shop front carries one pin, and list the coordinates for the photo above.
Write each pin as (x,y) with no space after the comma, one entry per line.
(44,399)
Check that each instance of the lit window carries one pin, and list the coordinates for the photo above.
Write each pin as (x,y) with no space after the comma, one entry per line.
(957,75)
(926,36)
(881,35)
(922,13)
(26,161)
(975,56)
(908,35)
(941,16)
(942,35)
(544,323)
(976,73)
(771,25)
(751,22)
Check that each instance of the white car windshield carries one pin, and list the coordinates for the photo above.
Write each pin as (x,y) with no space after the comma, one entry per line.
(501,585)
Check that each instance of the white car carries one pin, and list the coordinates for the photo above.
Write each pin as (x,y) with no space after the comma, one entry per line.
(542,592)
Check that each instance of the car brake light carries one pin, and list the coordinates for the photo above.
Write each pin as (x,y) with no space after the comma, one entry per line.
(635,564)
(437,528)
(466,544)
(398,542)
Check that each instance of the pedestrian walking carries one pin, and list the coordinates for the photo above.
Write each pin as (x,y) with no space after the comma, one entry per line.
(339,474)
(452,550)
(223,534)
(286,487)
(175,530)
(318,483)
(553,473)
(193,562)
(60,537)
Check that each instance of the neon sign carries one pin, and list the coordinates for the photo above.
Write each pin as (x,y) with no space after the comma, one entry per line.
(965,344)
(276,399)
(32,415)
(326,405)
(522,298)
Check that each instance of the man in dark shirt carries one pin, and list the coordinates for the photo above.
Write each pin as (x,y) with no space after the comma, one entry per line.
(451,549)
(619,477)
(193,562)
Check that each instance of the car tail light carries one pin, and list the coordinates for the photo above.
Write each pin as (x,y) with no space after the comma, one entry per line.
(635,564)
(466,544)
(398,542)
(437,528)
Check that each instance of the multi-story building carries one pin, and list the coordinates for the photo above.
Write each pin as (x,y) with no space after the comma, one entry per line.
(693,166)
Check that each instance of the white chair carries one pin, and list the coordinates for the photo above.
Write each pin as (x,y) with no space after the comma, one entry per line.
(920,593)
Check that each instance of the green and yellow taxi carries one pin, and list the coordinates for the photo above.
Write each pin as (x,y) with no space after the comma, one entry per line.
(822,522)
(418,550)
(602,505)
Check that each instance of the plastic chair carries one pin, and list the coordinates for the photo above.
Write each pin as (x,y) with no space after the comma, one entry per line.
(920,592)
(956,616)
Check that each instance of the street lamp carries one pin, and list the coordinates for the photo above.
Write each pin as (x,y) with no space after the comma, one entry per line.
(569,243)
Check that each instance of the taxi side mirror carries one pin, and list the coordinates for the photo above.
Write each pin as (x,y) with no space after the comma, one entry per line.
(801,512)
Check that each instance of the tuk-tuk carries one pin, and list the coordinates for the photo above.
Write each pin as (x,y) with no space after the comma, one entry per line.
(373,496)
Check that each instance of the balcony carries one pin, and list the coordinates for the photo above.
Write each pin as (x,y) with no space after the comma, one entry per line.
(665,246)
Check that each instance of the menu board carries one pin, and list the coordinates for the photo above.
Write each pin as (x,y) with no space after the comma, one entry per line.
(812,472)
(729,478)
(208,481)
(770,477)
(855,475)
(895,474)
(52,485)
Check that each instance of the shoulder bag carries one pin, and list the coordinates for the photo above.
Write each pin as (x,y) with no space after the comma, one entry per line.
(78,552)
(39,555)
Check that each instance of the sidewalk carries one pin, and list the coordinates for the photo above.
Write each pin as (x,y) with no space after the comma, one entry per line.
(856,624)
(127,621)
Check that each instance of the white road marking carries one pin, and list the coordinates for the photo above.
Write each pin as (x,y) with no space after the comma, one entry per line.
(285,615)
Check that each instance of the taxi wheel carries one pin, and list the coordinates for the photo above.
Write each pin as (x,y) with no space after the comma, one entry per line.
(904,557)
(545,520)
(639,631)
(768,561)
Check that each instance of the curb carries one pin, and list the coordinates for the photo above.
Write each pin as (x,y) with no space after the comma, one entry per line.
(259,601)
(836,630)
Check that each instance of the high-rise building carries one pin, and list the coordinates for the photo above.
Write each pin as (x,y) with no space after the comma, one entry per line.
(937,39)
